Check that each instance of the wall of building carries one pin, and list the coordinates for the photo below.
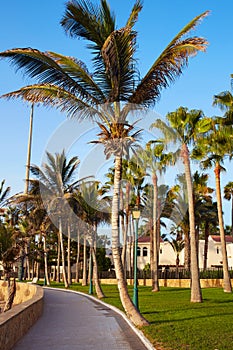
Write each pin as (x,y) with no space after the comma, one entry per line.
(167,255)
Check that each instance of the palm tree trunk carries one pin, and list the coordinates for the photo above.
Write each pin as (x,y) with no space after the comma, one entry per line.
(206,245)
(154,267)
(63,255)
(77,257)
(84,279)
(151,250)
(27,261)
(123,229)
(68,255)
(196,296)
(58,258)
(187,251)
(46,263)
(226,276)
(98,288)
(11,295)
(127,303)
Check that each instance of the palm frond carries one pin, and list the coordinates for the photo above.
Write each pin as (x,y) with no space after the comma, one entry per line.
(51,68)
(170,135)
(78,71)
(117,53)
(224,100)
(53,96)
(134,14)
(83,19)
(3,193)
(169,65)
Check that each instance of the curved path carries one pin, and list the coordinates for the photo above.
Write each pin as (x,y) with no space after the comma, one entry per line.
(72,321)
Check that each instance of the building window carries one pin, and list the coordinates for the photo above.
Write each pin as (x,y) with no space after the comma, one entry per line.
(161,250)
(217,250)
(144,251)
(138,251)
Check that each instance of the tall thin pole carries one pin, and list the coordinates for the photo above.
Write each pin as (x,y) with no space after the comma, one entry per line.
(135,286)
(29,150)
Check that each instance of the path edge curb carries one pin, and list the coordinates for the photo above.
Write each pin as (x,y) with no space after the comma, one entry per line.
(139,333)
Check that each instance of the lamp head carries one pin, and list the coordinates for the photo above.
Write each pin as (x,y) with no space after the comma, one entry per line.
(136,213)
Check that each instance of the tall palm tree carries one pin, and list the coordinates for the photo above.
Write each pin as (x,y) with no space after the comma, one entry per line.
(94,211)
(66,83)
(228,194)
(154,159)
(185,127)
(213,149)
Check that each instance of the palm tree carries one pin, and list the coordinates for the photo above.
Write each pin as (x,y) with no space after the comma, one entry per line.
(66,83)
(94,210)
(155,160)
(213,149)
(185,127)
(228,194)
(55,181)
(178,246)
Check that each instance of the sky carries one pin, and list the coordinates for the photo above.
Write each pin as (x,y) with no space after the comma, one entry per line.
(36,24)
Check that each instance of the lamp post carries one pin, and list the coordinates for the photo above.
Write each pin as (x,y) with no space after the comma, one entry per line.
(136,217)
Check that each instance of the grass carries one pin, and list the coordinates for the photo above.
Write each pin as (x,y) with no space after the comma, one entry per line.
(177,324)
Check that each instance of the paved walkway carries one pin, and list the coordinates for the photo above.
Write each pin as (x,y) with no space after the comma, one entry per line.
(71,321)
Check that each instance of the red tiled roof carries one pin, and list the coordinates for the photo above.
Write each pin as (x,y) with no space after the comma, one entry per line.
(217,239)
(146,239)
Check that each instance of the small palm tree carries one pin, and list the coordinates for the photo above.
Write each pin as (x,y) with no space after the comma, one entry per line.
(178,246)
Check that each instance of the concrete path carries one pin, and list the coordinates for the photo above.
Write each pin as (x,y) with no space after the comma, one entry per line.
(71,321)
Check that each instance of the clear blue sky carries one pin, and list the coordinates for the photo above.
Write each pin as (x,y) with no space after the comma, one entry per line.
(35,24)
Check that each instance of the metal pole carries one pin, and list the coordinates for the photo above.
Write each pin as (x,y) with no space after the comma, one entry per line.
(29,151)
(135,286)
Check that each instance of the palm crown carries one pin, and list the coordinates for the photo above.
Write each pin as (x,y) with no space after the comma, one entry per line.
(66,83)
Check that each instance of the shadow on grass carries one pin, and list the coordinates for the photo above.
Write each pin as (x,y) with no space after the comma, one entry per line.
(170,320)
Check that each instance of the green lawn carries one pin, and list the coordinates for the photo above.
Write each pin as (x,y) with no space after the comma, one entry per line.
(177,324)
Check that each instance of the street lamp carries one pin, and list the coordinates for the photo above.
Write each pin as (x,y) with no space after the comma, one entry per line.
(136,217)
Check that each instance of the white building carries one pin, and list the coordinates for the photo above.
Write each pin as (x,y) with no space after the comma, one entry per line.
(167,256)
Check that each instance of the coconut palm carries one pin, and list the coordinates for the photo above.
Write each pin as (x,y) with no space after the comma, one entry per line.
(66,83)
(228,194)
(185,127)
